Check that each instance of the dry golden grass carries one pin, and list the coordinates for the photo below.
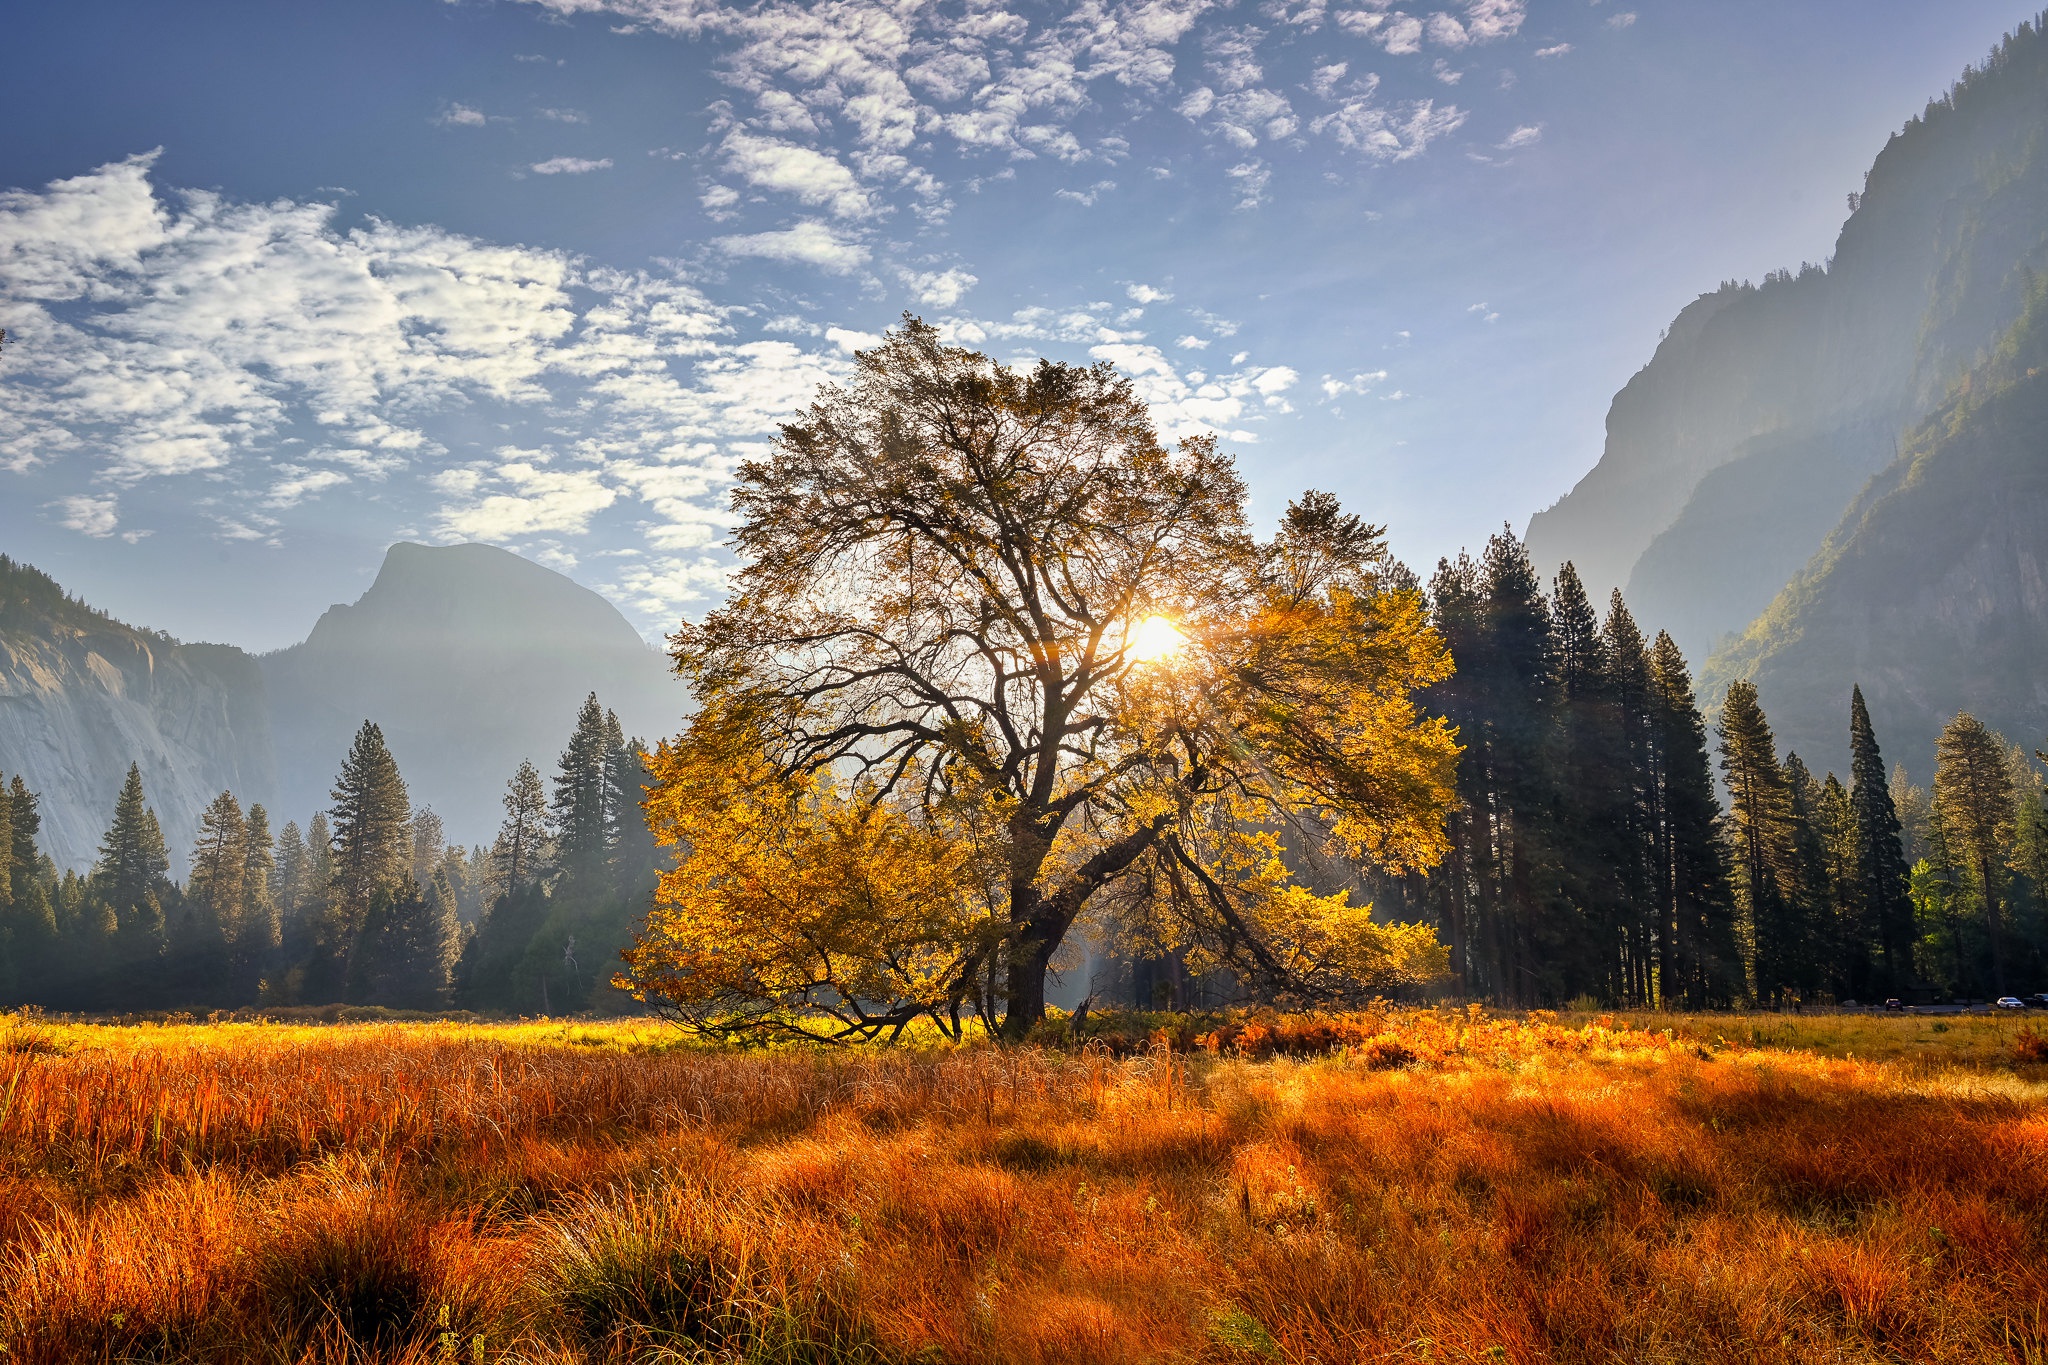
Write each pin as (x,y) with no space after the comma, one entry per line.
(1441,1187)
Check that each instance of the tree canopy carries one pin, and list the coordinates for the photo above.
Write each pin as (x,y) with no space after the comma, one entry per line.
(995,649)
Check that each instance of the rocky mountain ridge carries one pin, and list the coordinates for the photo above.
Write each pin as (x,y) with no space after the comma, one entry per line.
(1732,454)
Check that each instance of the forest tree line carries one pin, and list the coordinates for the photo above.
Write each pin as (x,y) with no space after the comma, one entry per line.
(1606,845)
(1592,857)
(367,904)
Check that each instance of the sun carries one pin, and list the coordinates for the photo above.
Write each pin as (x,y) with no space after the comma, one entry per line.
(1155,639)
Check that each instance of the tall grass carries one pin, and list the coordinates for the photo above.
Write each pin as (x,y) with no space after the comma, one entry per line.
(1421,1186)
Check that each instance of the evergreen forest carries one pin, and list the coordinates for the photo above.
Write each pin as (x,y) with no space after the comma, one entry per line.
(366,903)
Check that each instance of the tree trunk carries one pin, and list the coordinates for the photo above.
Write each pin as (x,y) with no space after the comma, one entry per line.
(1028,964)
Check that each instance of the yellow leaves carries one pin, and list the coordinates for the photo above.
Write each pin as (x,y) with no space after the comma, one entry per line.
(789,898)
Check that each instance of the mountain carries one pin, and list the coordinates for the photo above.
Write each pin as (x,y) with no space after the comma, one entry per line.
(1932,592)
(469,657)
(1766,408)
(82,696)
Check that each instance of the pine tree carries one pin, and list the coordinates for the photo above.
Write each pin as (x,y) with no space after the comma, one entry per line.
(429,844)
(291,871)
(210,912)
(219,860)
(1580,931)
(581,804)
(1701,968)
(132,855)
(1760,818)
(1458,890)
(1510,695)
(6,858)
(1884,910)
(634,857)
(1973,792)
(29,933)
(1636,772)
(1809,894)
(317,892)
(372,842)
(372,824)
(259,928)
(1848,946)
(521,851)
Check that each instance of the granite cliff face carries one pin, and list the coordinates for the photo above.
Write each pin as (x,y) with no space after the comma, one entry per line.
(1799,390)
(1932,593)
(82,696)
(469,657)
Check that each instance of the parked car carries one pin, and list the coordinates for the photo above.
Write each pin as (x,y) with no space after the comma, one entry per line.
(2035,1002)
(1894,1004)
(2010,1002)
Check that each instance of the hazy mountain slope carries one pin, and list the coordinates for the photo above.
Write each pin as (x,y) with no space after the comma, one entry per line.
(471,659)
(1805,490)
(82,696)
(1821,368)
(1932,593)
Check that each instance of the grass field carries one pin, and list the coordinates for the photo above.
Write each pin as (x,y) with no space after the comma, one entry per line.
(1436,1186)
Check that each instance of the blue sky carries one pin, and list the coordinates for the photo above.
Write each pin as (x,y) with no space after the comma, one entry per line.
(286,282)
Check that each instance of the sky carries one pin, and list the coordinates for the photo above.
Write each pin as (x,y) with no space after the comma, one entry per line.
(286,282)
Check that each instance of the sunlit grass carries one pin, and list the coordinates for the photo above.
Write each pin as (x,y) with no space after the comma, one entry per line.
(1434,1185)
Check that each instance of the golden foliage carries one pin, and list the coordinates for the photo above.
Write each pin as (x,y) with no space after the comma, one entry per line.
(932,639)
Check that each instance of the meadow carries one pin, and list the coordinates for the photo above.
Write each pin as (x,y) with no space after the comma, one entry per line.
(1395,1185)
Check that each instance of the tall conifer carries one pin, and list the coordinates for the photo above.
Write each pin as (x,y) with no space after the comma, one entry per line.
(1884,909)
(581,803)
(520,854)
(1760,818)
(259,926)
(372,823)
(1973,793)
(1701,968)
(1636,767)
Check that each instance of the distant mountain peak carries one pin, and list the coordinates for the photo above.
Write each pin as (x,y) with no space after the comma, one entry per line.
(478,596)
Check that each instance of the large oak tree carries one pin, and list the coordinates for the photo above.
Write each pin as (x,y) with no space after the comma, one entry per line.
(934,724)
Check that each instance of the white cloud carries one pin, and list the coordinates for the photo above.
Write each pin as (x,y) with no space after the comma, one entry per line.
(299,483)
(538,500)
(808,243)
(1487,20)
(1622,20)
(811,177)
(1086,197)
(1252,178)
(462,116)
(1385,134)
(89,516)
(1193,343)
(1528,135)
(851,341)
(939,289)
(565,115)
(1334,387)
(896,87)
(1400,35)
(570,165)
(1446,31)
(1554,50)
(1146,295)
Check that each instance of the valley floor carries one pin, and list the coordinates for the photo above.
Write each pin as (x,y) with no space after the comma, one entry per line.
(1444,1187)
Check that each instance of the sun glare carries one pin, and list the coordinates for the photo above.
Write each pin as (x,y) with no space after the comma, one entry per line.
(1155,639)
